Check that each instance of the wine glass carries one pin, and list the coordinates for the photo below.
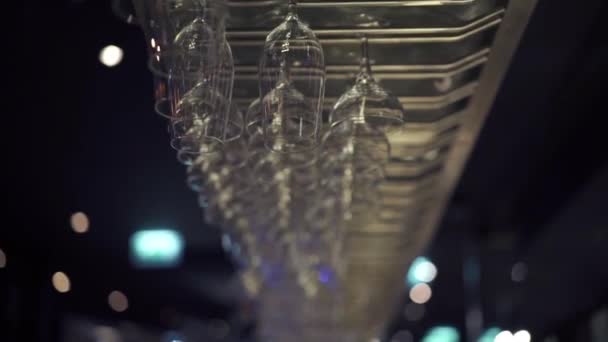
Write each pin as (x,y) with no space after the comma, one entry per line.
(181,13)
(292,85)
(219,176)
(162,21)
(287,183)
(199,128)
(203,113)
(193,61)
(383,110)
(356,148)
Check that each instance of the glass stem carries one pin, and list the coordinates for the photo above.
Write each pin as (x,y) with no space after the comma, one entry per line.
(364,77)
(292,11)
(203,8)
(284,71)
(283,82)
(359,118)
(365,67)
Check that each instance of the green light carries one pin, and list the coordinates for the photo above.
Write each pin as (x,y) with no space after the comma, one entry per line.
(442,334)
(156,248)
(421,271)
(489,335)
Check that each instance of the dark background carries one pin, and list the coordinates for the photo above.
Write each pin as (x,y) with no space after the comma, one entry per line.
(85,139)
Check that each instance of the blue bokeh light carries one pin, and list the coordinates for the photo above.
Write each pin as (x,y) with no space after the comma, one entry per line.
(442,334)
(489,334)
(422,270)
(156,248)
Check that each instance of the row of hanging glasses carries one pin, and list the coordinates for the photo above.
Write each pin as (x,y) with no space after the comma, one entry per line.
(285,184)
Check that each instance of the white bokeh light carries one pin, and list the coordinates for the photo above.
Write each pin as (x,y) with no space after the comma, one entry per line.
(422,270)
(426,271)
(522,336)
(504,336)
(111,56)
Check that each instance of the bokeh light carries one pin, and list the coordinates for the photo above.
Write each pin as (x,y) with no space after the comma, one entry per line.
(504,336)
(118,301)
(421,293)
(442,334)
(79,222)
(403,336)
(522,336)
(111,56)
(519,272)
(489,335)
(61,282)
(106,334)
(156,248)
(422,270)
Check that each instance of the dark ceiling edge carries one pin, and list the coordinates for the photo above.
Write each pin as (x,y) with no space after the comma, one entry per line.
(506,42)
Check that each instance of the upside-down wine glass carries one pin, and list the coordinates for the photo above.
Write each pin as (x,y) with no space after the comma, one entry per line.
(292,85)
(356,149)
(382,110)
(204,74)
(161,21)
